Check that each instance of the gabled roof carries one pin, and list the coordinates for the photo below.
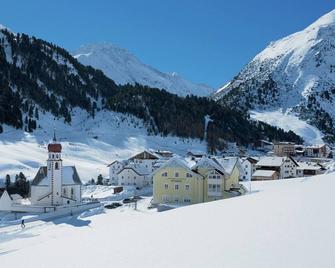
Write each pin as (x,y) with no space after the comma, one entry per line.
(208,163)
(140,170)
(70,176)
(145,155)
(122,162)
(274,161)
(177,161)
(309,166)
(228,163)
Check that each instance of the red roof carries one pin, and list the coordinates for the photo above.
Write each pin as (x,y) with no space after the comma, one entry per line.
(55,147)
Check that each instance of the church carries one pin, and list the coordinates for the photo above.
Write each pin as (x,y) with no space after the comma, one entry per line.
(55,184)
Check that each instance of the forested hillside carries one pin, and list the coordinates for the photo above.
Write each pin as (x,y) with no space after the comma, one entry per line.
(37,76)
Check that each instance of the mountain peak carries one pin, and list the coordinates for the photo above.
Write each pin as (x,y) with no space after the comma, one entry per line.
(123,67)
(295,73)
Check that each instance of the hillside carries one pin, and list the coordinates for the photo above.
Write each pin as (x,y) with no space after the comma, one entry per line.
(37,77)
(282,223)
(123,67)
(294,74)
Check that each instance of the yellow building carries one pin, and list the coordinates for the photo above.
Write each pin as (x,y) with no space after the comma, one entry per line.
(177,182)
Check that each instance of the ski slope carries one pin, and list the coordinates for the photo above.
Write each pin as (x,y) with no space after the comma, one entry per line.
(89,144)
(289,121)
(285,223)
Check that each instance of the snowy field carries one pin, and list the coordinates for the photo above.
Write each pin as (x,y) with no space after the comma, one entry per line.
(286,223)
(89,144)
(289,121)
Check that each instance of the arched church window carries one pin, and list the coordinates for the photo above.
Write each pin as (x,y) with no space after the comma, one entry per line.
(56,165)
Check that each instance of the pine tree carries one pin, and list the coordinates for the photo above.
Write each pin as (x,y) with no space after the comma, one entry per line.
(8,182)
(100,180)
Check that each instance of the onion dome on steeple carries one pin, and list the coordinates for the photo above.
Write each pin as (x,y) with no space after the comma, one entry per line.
(54,147)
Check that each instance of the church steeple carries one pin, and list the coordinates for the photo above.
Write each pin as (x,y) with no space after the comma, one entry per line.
(54,139)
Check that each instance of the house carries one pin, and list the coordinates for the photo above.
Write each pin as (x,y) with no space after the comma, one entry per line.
(145,159)
(176,183)
(114,168)
(284,149)
(320,150)
(265,175)
(264,145)
(233,170)
(248,165)
(134,175)
(181,182)
(284,166)
(306,169)
(55,184)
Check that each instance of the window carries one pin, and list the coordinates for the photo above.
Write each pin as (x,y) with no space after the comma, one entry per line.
(164,174)
(187,200)
(56,165)
(176,186)
(166,186)
(64,191)
(72,192)
(187,187)
(176,174)
(176,200)
(188,175)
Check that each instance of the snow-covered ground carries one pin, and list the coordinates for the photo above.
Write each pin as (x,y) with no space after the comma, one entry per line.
(89,144)
(285,223)
(289,121)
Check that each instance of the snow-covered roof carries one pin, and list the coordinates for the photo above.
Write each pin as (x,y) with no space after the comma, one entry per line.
(263,173)
(122,162)
(206,162)
(177,161)
(145,155)
(139,169)
(275,161)
(308,166)
(228,163)
(70,176)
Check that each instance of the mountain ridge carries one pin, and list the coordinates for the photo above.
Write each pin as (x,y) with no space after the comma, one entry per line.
(295,73)
(124,67)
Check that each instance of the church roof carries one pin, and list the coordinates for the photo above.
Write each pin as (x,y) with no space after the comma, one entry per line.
(54,147)
(70,176)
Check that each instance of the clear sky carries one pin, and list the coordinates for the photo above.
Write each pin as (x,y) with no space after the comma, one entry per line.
(204,41)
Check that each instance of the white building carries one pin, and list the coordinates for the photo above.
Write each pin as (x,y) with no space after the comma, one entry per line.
(134,175)
(114,168)
(285,166)
(55,184)
(248,167)
(306,169)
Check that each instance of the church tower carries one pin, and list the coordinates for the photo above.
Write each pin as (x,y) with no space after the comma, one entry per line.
(55,171)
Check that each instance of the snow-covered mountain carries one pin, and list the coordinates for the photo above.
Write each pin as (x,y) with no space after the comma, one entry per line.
(295,74)
(123,67)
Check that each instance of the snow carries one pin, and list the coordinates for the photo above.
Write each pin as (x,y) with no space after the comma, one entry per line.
(89,144)
(263,173)
(123,67)
(300,66)
(283,223)
(289,121)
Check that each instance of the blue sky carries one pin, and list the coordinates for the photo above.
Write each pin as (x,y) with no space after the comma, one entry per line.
(204,41)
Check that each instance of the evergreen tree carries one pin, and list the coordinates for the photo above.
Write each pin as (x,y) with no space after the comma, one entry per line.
(8,182)
(100,180)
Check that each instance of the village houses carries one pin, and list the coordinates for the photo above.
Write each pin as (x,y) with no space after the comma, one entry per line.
(181,182)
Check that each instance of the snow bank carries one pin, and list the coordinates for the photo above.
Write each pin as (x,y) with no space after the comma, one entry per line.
(285,223)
